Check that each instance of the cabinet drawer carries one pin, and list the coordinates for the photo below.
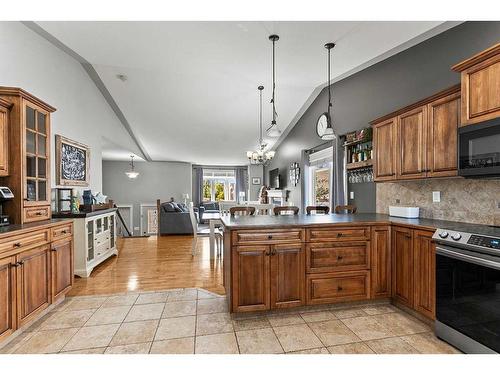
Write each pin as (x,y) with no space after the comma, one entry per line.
(24,241)
(269,236)
(36,213)
(62,231)
(337,256)
(101,249)
(338,234)
(338,287)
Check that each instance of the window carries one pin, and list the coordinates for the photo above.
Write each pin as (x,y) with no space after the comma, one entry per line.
(219,185)
(319,177)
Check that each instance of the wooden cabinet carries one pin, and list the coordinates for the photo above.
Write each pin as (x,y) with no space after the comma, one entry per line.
(402,265)
(287,276)
(384,147)
(337,256)
(480,86)
(418,141)
(338,287)
(62,267)
(424,273)
(411,144)
(29,154)
(444,119)
(250,278)
(4,137)
(33,283)
(381,262)
(7,296)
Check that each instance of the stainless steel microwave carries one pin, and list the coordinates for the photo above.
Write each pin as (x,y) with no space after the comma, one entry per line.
(479,149)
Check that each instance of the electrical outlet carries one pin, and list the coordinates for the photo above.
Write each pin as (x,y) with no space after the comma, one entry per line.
(436,196)
(351,195)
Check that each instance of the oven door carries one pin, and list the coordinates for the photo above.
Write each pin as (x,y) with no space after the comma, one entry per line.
(479,149)
(468,296)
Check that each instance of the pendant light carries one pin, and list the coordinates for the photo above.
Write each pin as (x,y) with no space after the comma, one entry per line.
(274,131)
(259,156)
(132,173)
(329,134)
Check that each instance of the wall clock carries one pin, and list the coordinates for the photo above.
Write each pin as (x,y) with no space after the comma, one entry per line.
(322,124)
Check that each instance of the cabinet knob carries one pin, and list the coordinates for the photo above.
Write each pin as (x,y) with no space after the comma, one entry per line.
(339,288)
(64,231)
(267,253)
(15,265)
(339,234)
(270,237)
(17,244)
(54,249)
(38,213)
(340,257)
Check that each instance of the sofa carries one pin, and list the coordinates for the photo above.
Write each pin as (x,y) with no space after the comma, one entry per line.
(174,218)
(208,207)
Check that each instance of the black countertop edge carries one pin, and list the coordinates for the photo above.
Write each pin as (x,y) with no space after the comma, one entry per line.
(30,226)
(82,215)
(264,221)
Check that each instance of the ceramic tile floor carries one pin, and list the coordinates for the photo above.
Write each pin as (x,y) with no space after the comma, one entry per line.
(187,321)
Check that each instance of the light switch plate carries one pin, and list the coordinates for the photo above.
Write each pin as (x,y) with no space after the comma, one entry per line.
(436,196)
(351,195)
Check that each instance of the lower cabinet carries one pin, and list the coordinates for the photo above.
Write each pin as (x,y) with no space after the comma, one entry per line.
(414,270)
(381,274)
(33,283)
(338,287)
(7,296)
(62,267)
(268,277)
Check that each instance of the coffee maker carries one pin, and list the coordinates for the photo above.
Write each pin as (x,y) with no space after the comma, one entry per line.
(5,195)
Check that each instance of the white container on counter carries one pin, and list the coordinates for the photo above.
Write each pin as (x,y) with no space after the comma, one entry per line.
(406,212)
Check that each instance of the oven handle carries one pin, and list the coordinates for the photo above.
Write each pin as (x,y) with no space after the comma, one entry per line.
(460,255)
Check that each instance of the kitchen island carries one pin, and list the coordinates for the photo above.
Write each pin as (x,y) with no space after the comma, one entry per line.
(280,262)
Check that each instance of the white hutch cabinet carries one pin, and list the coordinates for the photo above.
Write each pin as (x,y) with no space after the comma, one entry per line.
(95,240)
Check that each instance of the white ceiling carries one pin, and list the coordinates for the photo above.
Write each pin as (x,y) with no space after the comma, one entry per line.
(191,93)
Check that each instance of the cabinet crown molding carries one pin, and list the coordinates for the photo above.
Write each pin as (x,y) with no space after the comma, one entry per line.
(477,58)
(16,91)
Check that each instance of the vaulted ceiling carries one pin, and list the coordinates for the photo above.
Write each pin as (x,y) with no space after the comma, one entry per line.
(190,92)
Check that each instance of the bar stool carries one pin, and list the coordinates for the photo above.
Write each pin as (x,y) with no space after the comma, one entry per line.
(323,209)
(286,210)
(347,209)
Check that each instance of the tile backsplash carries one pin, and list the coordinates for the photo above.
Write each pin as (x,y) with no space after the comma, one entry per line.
(468,200)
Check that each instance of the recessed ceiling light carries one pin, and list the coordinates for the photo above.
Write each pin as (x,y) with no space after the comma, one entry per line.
(122,77)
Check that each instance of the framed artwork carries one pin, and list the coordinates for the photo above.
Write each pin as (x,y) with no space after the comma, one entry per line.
(72,162)
(294,174)
(256,181)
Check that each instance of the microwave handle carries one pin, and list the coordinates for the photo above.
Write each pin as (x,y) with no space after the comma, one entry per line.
(461,255)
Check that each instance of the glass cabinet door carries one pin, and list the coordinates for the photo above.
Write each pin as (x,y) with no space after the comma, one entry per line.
(90,241)
(112,231)
(37,154)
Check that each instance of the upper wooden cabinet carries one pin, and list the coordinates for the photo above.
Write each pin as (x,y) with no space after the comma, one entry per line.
(29,154)
(384,145)
(4,137)
(420,140)
(480,77)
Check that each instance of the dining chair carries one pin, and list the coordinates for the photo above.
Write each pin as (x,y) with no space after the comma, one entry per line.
(346,209)
(203,233)
(323,209)
(242,210)
(286,210)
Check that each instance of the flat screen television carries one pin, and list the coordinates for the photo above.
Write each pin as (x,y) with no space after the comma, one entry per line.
(274,179)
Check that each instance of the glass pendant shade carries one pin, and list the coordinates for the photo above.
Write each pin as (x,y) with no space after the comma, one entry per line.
(329,134)
(132,173)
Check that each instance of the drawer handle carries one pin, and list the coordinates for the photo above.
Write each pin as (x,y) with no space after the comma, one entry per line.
(38,213)
(270,237)
(267,253)
(54,249)
(64,231)
(339,288)
(17,264)
(17,244)
(340,257)
(339,234)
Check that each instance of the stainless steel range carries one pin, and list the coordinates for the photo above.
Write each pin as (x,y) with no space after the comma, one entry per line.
(468,289)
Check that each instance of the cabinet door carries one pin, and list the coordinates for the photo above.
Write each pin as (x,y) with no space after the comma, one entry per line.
(4,141)
(384,145)
(381,262)
(33,283)
(424,273)
(402,265)
(62,267)
(412,144)
(444,118)
(287,276)
(36,162)
(7,296)
(251,278)
(481,91)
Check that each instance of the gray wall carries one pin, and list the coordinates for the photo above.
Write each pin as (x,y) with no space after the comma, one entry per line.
(382,88)
(157,180)
(255,171)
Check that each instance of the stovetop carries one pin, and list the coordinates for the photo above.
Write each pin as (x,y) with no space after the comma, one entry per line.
(470,241)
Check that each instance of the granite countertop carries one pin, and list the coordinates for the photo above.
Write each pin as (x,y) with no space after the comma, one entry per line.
(280,221)
(82,215)
(9,229)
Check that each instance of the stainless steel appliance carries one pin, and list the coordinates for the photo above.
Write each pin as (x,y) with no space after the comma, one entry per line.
(468,289)
(5,194)
(479,149)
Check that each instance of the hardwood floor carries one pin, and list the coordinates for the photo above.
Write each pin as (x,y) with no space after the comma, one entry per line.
(146,264)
